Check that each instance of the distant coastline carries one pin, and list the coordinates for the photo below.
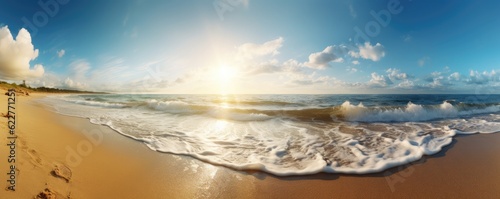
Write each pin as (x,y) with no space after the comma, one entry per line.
(24,89)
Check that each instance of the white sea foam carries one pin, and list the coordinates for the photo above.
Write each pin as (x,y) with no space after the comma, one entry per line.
(170,106)
(410,113)
(98,104)
(223,113)
(179,107)
(377,139)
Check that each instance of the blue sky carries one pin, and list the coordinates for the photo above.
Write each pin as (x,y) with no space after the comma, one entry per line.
(253,46)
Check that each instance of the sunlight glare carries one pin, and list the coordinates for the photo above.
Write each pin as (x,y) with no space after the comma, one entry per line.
(225,77)
(225,74)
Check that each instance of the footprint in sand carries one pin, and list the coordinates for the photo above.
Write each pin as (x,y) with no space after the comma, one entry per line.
(35,158)
(61,171)
(23,144)
(49,194)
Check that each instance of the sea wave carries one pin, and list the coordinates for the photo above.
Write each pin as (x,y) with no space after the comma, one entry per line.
(448,109)
(97,103)
(220,112)
(176,106)
(256,102)
(409,113)
(342,138)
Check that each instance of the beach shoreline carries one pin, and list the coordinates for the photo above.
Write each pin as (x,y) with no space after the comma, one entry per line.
(105,164)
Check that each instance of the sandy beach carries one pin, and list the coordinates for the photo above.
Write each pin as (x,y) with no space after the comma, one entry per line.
(105,164)
(249,99)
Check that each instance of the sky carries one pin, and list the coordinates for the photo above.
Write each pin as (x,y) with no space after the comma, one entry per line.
(253,46)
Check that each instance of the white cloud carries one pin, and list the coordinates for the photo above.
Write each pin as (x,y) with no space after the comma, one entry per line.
(61,53)
(112,75)
(436,74)
(75,80)
(289,72)
(374,53)
(379,80)
(51,80)
(69,83)
(352,69)
(406,84)
(47,80)
(438,82)
(251,50)
(321,60)
(395,74)
(484,77)
(454,76)
(15,56)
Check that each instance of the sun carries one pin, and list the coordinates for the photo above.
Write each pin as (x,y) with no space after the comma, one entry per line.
(226,76)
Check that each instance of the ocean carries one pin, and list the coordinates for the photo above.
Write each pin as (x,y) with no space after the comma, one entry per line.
(290,134)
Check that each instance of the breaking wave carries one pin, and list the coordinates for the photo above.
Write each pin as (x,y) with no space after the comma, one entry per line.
(296,137)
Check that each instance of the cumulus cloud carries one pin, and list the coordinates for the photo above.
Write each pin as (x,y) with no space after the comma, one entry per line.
(251,50)
(69,83)
(436,74)
(437,80)
(321,60)
(47,80)
(74,80)
(367,51)
(61,53)
(406,84)
(454,76)
(379,80)
(16,54)
(51,80)
(395,74)
(481,78)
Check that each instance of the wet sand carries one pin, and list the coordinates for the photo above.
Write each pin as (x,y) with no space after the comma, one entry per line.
(105,164)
